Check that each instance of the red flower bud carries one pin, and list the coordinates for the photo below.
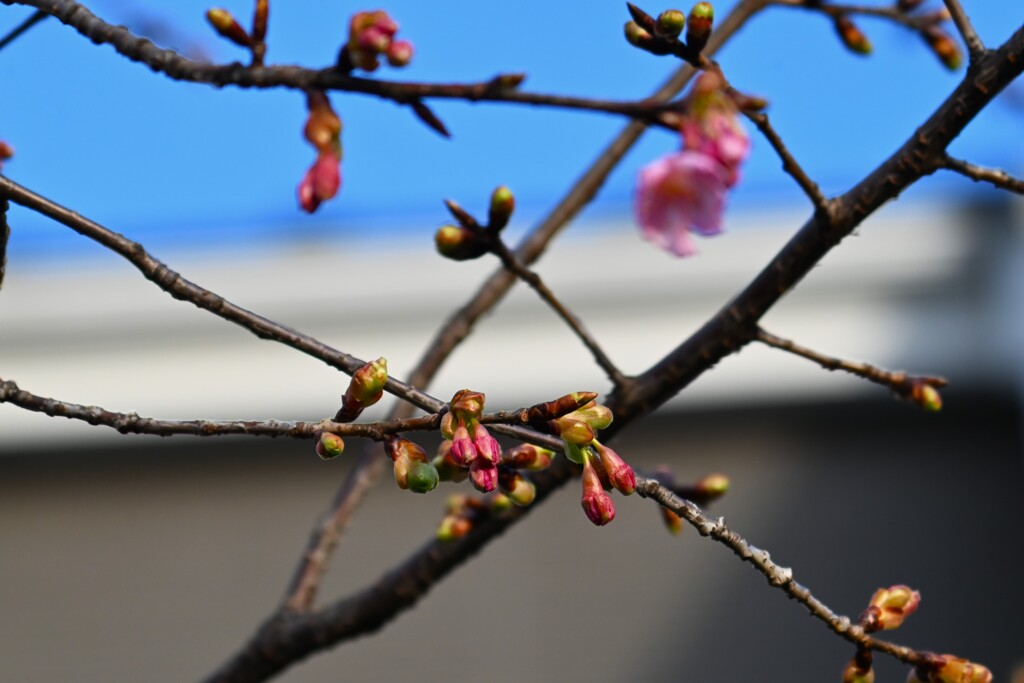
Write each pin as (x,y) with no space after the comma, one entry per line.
(400,53)
(597,504)
(620,475)
(487,446)
(484,475)
(321,182)
(463,450)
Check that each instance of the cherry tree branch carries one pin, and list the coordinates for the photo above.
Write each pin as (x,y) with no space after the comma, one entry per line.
(778,576)
(789,163)
(511,423)
(21,28)
(531,278)
(997,177)
(900,382)
(975,48)
(890,12)
(180,288)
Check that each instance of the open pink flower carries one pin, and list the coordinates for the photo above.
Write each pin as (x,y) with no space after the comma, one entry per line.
(321,182)
(681,192)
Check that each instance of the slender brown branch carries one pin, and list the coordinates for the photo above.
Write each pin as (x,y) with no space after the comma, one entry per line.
(304,584)
(975,48)
(512,423)
(181,68)
(513,265)
(790,165)
(178,287)
(21,28)
(999,178)
(900,382)
(778,576)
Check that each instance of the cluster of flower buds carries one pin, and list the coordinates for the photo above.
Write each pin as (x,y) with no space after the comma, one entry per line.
(889,607)
(468,239)
(364,389)
(329,446)
(949,669)
(6,152)
(576,418)
(323,131)
(371,35)
(472,446)
(413,469)
(685,191)
(661,36)
(225,24)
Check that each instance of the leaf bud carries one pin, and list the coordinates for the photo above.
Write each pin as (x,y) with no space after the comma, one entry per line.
(673,522)
(226,26)
(526,456)
(573,431)
(503,203)
(855,672)
(698,26)
(944,47)
(422,477)
(518,488)
(329,446)
(459,244)
(713,486)
(926,396)
(367,384)
(670,24)
(889,607)
(542,412)
(637,37)
(453,527)
(853,38)
(259,20)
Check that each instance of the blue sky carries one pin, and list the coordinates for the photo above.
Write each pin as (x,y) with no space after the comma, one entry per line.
(185,164)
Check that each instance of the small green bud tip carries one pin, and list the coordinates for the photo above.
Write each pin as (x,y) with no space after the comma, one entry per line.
(715,484)
(929,399)
(500,502)
(502,198)
(635,35)
(423,477)
(703,11)
(329,446)
(670,23)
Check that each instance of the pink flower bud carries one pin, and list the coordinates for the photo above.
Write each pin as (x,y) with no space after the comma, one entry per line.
(373,40)
(596,503)
(484,475)
(400,53)
(321,182)
(446,466)
(486,445)
(620,475)
(463,450)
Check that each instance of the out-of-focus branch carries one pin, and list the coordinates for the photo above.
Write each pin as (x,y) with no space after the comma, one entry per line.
(790,165)
(975,48)
(21,28)
(778,576)
(890,12)
(531,278)
(999,178)
(899,382)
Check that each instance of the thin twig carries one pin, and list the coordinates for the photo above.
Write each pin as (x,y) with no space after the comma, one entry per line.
(778,576)
(302,588)
(790,165)
(975,48)
(899,382)
(997,177)
(181,68)
(511,422)
(513,265)
(21,28)
(178,287)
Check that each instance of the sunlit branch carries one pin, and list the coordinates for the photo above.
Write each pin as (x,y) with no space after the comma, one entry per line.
(790,165)
(778,576)
(21,28)
(5,237)
(999,178)
(975,48)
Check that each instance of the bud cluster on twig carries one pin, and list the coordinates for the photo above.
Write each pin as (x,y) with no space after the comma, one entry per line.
(225,24)
(371,35)
(661,36)
(468,239)
(322,130)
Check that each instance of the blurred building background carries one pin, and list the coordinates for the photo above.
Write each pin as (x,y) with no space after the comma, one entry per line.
(135,558)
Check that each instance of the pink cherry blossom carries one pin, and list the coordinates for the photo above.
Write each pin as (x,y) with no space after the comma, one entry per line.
(720,136)
(681,192)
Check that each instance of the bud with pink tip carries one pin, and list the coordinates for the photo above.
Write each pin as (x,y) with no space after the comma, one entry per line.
(620,475)
(463,451)
(484,475)
(400,53)
(596,503)
(487,446)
